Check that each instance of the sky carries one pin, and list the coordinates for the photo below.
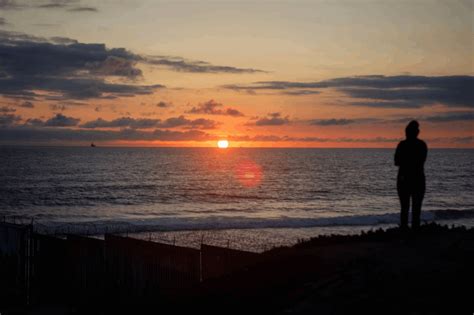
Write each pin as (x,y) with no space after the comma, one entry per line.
(263,73)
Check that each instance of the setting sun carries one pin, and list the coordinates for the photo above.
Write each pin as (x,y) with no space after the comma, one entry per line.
(223,144)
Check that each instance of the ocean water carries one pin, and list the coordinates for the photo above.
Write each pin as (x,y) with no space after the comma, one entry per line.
(239,194)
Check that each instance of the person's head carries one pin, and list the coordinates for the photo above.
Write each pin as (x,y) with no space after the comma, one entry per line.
(412,130)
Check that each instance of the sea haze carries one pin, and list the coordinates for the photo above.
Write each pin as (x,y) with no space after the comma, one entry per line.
(177,189)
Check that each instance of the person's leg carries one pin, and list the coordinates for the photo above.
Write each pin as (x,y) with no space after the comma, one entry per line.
(418,194)
(416,209)
(404,197)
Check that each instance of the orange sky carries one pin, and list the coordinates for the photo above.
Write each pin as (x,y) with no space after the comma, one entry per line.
(292,74)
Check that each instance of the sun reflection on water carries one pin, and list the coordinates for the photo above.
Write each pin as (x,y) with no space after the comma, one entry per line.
(248,173)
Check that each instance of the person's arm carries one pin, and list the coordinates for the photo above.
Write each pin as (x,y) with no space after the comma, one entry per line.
(425,152)
(397,155)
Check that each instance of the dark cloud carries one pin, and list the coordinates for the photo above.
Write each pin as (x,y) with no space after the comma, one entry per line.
(33,56)
(8,119)
(300,92)
(332,122)
(56,107)
(182,65)
(71,88)
(75,70)
(83,9)
(164,104)
(181,121)
(63,40)
(9,5)
(6,109)
(69,5)
(404,91)
(438,118)
(272,119)
(66,68)
(342,121)
(390,104)
(35,131)
(51,6)
(453,116)
(211,107)
(123,122)
(114,66)
(27,104)
(59,120)
(34,122)
(145,123)
(450,117)
(29,133)
(273,138)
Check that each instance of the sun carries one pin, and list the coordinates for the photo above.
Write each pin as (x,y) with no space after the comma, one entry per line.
(223,144)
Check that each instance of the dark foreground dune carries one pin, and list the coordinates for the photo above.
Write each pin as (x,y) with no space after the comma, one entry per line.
(381,272)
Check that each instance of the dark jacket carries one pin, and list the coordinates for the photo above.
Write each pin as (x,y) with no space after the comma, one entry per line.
(410,156)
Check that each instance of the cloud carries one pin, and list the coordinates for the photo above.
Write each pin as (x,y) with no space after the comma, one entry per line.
(181,121)
(406,91)
(453,116)
(122,122)
(75,70)
(9,5)
(300,92)
(63,40)
(35,131)
(146,123)
(69,5)
(389,104)
(450,117)
(211,107)
(6,109)
(61,121)
(274,138)
(27,104)
(59,56)
(56,107)
(182,65)
(65,68)
(332,122)
(272,119)
(114,66)
(30,133)
(342,121)
(58,120)
(83,9)
(163,104)
(8,119)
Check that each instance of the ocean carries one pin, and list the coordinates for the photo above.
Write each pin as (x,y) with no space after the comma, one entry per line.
(249,198)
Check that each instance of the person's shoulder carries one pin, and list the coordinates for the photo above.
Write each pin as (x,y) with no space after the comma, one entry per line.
(422,143)
(401,143)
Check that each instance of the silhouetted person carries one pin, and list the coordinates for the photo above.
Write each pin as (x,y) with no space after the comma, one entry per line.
(410,157)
